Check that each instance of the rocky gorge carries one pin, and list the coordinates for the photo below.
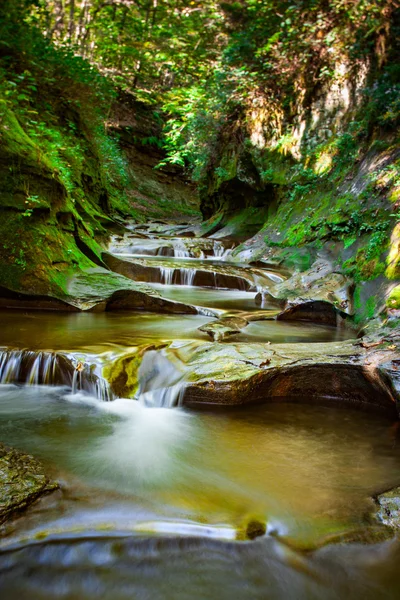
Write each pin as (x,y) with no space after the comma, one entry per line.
(200,306)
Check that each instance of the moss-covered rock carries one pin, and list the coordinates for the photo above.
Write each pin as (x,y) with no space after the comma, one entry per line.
(122,373)
(337,372)
(22,481)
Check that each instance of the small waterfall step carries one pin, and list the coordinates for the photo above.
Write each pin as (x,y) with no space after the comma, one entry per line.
(200,248)
(30,367)
(162,382)
(192,272)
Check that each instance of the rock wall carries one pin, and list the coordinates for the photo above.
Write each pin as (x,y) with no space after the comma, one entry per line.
(323,177)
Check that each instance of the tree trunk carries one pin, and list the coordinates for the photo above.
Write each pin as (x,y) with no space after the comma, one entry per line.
(71,24)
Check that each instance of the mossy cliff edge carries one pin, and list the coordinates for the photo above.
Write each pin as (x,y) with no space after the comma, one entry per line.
(74,160)
(308,158)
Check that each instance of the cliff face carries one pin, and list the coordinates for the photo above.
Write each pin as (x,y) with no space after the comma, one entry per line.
(74,161)
(322,175)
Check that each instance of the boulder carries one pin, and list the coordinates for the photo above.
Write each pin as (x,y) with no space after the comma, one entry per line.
(22,481)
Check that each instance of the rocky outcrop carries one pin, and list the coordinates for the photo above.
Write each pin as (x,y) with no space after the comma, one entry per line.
(97,290)
(333,372)
(22,481)
(319,295)
(240,374)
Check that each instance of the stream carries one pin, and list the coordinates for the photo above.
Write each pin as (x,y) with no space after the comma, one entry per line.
(155,503)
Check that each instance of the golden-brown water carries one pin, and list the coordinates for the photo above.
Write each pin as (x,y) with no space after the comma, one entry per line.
(127,472)
(151,500)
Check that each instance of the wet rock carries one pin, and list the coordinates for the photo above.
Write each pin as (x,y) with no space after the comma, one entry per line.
(337,372)
(22,481)
(122,373)
(223,328)
(98,290)
(318,295)
(389,508)
(314,311)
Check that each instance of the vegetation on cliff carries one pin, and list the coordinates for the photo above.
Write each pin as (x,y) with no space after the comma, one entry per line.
(284,113)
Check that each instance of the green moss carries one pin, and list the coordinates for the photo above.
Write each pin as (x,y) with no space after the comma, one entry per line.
(122,374)
(393,300)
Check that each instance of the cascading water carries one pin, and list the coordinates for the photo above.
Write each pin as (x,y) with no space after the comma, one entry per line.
(166,275)
(51,368)
(161,382)
(180,250)
(187,276)
(34,368)
(220,251)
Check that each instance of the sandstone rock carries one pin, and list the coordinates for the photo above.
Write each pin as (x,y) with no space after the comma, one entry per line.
(336,372)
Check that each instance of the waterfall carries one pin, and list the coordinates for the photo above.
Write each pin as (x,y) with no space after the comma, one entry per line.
(187,276)
(167,275)
(180,250)
(161,382)
(33,368)
(220,251)
(51,368)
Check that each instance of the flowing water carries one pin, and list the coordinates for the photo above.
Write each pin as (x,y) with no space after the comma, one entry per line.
(154,501)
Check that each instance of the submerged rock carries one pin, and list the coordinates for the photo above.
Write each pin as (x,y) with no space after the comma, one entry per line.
(22,481)
(389,508)
(223,328)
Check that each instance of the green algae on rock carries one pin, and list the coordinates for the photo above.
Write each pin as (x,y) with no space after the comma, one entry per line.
(22,481)
(96,289)
(122,373)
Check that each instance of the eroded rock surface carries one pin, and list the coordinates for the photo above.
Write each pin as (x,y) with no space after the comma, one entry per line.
(22,481)
(338,372)
(99,289)
(319,295)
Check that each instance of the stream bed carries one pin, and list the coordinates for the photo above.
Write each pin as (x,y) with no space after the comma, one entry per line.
(155,503)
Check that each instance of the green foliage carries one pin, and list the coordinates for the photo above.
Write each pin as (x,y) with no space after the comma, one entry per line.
(53,106)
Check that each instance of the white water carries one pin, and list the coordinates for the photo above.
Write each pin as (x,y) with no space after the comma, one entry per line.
(32,368)
(161,382)
(50,368)
(220,252)
(166,275)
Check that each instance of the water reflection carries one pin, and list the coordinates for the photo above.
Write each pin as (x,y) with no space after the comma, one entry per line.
(310,469)
(109,331)
(127,470)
